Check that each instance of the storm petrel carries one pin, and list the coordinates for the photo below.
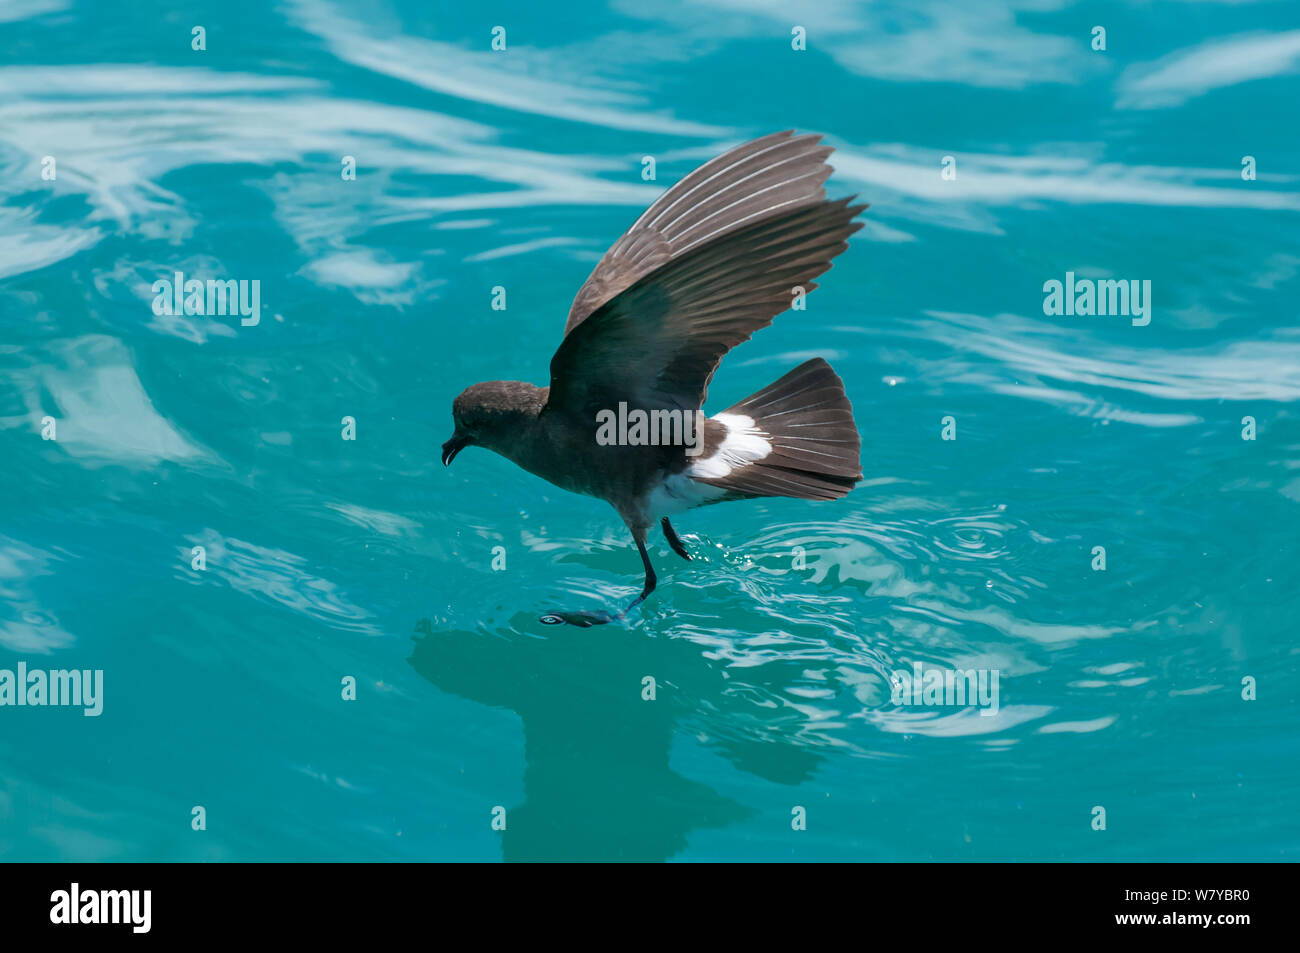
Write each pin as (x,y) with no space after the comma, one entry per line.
(713,260)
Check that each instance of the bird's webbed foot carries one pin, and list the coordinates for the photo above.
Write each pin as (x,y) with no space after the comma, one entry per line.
(583,620)
(586,620)
(674,540)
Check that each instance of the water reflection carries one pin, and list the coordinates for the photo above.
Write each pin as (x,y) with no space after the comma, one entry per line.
(599,782)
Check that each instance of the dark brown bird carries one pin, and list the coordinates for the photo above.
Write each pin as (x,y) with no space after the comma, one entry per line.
(713,260)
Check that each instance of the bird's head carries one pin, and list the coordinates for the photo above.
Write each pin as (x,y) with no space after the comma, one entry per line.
(492,414)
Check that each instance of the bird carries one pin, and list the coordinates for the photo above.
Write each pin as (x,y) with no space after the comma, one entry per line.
(714,259)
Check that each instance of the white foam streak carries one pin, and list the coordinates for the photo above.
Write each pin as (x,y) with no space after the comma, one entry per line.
(1185,74)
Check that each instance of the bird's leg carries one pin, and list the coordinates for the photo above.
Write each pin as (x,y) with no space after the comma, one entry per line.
(650,579)
(587,619)
(674,540)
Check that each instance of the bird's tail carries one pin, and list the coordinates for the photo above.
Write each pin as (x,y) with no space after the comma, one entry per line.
(806,421)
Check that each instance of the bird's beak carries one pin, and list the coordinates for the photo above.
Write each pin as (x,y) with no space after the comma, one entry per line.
(455,445)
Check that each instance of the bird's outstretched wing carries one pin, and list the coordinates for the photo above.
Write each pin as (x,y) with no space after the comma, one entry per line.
(659,335)
(778,172)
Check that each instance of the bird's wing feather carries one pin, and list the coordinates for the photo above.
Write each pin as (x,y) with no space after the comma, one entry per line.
(656,344)
(767,176)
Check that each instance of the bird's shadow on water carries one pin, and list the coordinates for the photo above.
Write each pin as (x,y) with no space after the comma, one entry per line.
(598,784)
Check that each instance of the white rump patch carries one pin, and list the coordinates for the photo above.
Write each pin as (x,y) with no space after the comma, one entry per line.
(744,444)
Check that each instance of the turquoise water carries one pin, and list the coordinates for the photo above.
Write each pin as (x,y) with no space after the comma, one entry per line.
(771,653)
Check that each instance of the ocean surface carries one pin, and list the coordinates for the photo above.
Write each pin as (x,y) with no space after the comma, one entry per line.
(1112,529)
